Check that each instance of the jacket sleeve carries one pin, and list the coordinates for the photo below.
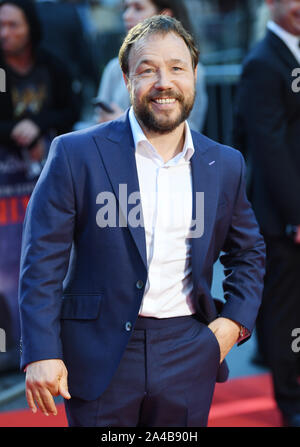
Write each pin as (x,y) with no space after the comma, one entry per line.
(46,245)
(243,261)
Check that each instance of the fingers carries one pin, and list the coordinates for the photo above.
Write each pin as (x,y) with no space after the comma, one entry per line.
(47,402)
(43,399)
(63,388)
(30,400)
(43,402)
(63,384)
(226,332)
(45,379)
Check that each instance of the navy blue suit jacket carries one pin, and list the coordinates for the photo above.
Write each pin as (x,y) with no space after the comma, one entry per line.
(81,286)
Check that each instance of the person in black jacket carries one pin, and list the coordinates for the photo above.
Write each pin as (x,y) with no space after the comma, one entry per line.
(64,36)
(38,103)
(267,131)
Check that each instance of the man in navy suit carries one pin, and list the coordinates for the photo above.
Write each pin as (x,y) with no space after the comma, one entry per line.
(120,238)
(267,130)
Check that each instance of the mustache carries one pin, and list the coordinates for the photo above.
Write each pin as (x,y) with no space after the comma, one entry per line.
(170,94)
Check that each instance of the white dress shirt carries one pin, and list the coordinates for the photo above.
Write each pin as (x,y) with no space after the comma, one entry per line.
(166,197)
(291,41)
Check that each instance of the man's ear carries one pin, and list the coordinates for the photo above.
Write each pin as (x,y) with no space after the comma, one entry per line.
(196,72)
(127,82)
(125,78)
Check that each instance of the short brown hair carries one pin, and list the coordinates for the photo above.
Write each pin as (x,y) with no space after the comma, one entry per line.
(160,24)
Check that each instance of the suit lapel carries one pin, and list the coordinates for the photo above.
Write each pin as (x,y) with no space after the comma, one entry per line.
(282,50)
(118,154)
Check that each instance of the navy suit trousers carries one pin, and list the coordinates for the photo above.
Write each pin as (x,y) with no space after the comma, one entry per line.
(166,378)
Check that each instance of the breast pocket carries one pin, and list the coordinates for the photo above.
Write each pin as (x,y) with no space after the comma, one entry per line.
(80,307)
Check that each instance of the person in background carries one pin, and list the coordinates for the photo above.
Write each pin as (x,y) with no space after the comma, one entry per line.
(267,131)
(112,89)
(64,36)
(37,105)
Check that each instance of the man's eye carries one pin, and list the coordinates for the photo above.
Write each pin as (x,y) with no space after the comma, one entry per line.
(147,71)
(177,68)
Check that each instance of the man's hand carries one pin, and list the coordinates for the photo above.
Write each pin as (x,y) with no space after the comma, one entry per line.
(25,132)
(44,379)
(227,333)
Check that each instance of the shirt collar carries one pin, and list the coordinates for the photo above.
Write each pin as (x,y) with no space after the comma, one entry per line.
(139,137)
(291,41)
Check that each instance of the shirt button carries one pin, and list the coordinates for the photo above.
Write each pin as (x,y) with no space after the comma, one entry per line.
(128,326)
(139,284)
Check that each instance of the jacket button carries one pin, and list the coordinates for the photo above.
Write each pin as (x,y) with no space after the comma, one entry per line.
(139,284)
(128,326)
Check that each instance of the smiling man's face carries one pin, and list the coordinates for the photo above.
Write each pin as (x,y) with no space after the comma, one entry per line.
(161,81)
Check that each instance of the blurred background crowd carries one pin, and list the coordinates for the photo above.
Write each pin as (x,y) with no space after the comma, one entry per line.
(62,74)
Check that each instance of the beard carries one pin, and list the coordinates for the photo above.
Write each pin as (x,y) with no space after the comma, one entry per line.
(162,124)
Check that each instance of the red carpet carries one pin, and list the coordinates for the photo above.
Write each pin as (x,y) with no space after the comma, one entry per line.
(244,402)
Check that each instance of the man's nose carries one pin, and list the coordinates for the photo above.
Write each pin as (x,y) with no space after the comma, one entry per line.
(164,80)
